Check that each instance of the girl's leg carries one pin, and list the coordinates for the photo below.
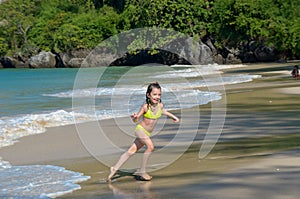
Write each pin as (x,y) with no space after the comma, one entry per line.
(150,147)
(125,156)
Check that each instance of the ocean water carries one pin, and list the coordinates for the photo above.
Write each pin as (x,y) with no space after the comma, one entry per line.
(33,100)
(37,181)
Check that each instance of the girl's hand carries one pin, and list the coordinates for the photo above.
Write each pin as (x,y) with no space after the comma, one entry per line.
(170,115)
(134,117)
(176,119)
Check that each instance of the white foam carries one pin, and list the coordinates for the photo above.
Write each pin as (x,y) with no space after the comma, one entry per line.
(186,73)
(190,71)
(90,92)
(38,181)
(96,92)
(18,126)
(215,66)
(12,128)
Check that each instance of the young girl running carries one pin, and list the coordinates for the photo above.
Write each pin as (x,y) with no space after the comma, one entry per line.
(151,111)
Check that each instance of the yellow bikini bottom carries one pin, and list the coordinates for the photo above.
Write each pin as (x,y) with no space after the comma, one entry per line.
(140,127)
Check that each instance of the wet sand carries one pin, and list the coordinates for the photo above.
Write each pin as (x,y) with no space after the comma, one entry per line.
(257,155)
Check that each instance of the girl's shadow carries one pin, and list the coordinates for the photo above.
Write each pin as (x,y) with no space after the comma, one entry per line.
(124,173)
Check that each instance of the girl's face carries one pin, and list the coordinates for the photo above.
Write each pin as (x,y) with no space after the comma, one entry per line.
(154,96)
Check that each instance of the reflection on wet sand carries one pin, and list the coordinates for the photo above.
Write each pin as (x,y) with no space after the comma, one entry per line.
(142,191)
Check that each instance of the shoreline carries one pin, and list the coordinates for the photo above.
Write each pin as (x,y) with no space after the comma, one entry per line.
(264,102)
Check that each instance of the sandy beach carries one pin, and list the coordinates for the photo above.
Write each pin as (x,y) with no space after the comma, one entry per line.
(257,155)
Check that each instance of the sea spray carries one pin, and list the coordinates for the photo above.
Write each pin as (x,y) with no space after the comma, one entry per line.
(37,181)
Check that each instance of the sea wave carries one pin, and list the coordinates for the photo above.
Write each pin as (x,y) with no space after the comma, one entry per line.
(37,181)
(187,85)
(42,181)
(112,104)
(13,128)
(90,92)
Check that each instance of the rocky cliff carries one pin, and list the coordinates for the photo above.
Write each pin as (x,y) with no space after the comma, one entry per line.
(204,53)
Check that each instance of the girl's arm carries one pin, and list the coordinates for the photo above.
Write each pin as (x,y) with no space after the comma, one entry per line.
(170,115)
(135,117)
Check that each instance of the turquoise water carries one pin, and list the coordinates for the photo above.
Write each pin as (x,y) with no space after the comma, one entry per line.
(22,90)
(33,100)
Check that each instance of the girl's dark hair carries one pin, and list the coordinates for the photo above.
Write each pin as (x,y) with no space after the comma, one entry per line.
(149,90)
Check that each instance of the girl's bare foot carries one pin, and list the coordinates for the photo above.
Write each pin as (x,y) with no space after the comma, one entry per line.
(112,173)
(145,176)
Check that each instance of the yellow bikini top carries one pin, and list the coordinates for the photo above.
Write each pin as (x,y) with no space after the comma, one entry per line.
(150,115)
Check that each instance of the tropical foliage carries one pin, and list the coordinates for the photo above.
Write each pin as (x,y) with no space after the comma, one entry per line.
(271,22)
(29,26)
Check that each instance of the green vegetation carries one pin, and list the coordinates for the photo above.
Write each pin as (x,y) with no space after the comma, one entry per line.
(29,26)
(271,22)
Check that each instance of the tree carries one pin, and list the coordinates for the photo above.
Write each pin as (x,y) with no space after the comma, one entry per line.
(267,22)
(189,17)
(19,17)
(3,47)
(28,26)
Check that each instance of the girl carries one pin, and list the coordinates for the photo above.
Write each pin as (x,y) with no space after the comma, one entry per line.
(151,111)
(295,72)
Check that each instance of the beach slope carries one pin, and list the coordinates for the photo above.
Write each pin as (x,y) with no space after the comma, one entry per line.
(257,155)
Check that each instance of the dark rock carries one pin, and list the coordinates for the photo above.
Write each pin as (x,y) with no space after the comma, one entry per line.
(265,54)
(197,52)
(219,59)
(101,56)
(42,60)
(145,57)
(248,57)
(231,56)
(21,62)
(58,60)
(253,51)
(75,62)
(232,59)
(8,62)
(210,44)
(77,56)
